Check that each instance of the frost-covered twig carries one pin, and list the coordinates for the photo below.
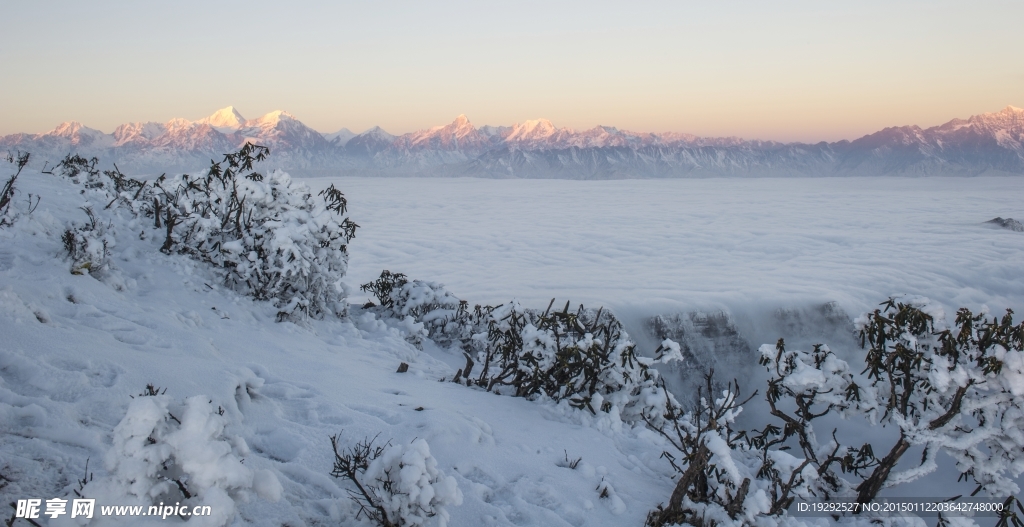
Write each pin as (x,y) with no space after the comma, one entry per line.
(7,192)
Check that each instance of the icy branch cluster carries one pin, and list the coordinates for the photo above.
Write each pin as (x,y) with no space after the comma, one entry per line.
(7,190)
(954,390)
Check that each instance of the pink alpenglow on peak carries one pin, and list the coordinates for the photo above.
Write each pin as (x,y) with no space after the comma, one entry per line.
(271,118)
(460,134)
(459,128)
(66,129)
(79,135)
(532,130)
(138,133)
(541,133)
(72,129)
(225,119)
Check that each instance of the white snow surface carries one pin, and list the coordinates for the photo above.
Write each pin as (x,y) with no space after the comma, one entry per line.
(73,348)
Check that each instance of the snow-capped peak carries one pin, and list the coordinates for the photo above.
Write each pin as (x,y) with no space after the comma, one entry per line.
(376,132)
(227,117)
(138,133)
(531,130)
(340,137)
(80,135)
(178,124)
(1005,126)
(461,126)
(69,129)
(271,118)
(456,135)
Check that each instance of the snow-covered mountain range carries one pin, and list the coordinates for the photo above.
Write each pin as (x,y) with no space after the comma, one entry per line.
(991,143)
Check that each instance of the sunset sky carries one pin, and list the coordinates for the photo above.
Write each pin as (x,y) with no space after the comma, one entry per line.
(784,70)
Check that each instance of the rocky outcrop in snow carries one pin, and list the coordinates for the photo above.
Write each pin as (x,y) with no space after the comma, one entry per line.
(1007,223)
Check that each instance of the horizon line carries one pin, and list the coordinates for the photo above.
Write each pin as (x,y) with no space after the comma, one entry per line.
(1008,107)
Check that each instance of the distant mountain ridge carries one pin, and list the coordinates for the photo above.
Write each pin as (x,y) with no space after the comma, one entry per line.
(990,143)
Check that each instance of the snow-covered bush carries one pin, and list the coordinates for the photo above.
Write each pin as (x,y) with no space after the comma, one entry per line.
(959,390)
(954,390)
(583,356)
(88,244)
(268,236)
(165,452)
(76,167)
(273,241)
(396,485)
(442,315)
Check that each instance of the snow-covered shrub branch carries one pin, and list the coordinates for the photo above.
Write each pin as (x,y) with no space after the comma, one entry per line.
(583,356)
(396,485)
(806,386)
(19,160)
(268,236)
(714,462)
(957,390)
(954,390)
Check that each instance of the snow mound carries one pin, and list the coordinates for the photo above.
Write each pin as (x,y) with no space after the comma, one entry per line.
(419,489)
(166,453)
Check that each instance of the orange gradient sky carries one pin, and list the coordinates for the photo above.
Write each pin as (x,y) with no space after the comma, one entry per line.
(787,70)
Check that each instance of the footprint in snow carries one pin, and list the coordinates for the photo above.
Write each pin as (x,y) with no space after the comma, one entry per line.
(394,392)
(389,417)
(279,444)
(6,260)
(99,374)
(119,328)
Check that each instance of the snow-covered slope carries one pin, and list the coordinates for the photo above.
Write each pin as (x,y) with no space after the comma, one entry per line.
(77,349)
(991,143)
